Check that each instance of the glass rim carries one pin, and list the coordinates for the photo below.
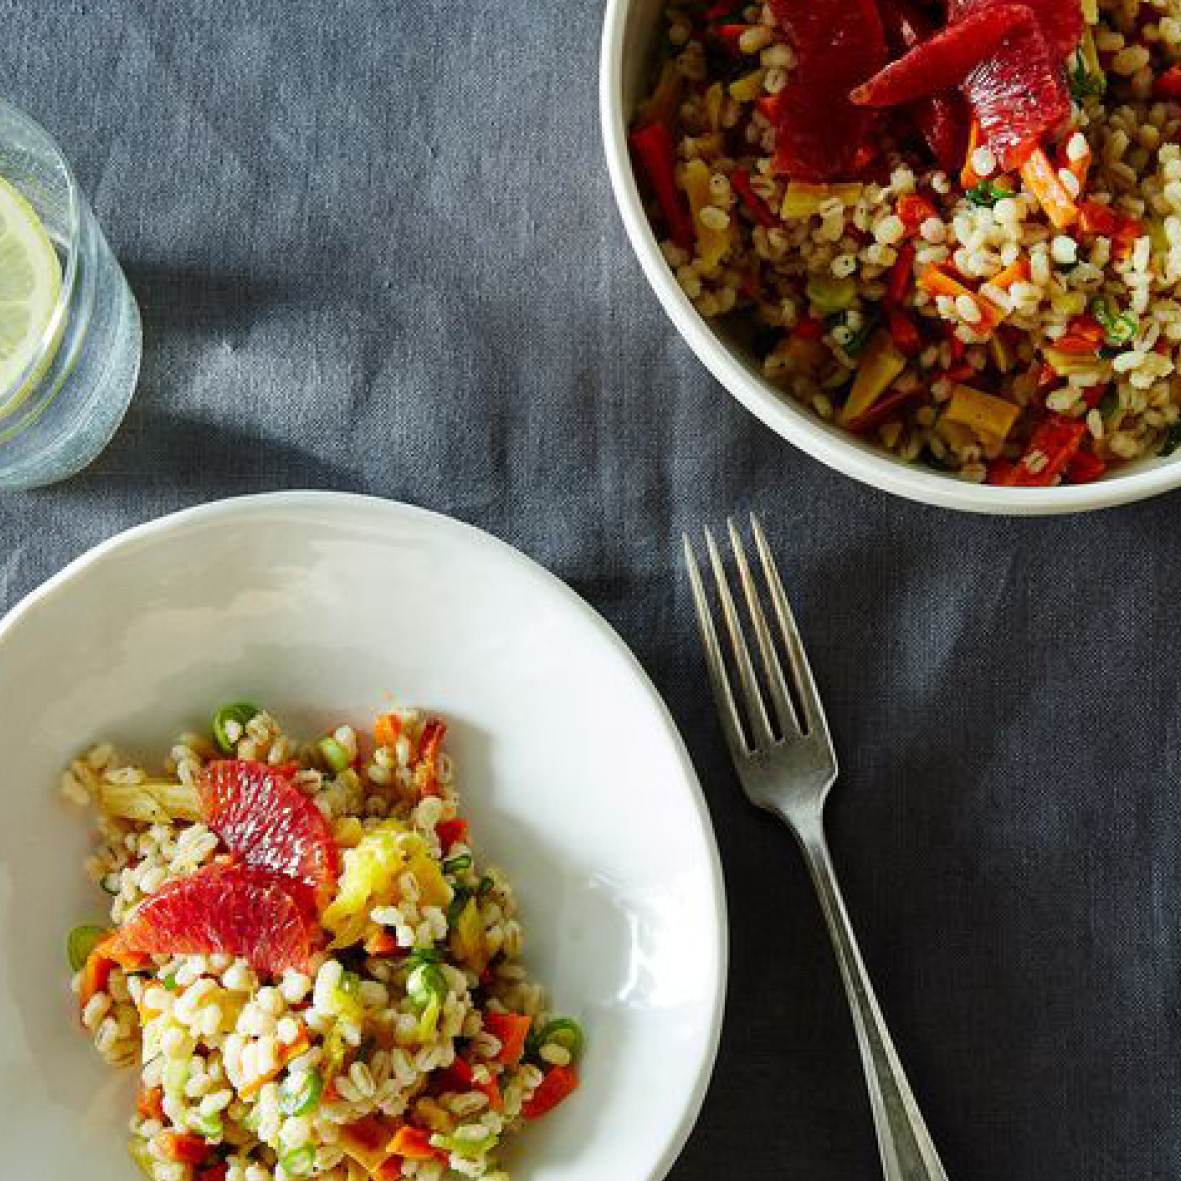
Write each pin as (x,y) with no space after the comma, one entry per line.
(72,234)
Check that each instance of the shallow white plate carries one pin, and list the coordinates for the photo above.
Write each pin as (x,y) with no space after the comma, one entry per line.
(323,607)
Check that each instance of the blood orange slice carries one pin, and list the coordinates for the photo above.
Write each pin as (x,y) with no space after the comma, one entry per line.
(268,822)
(1018,95)
(228,909)
(945,60)
(1061,21)
(838,45)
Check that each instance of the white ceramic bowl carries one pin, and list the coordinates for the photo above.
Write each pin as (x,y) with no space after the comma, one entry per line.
(630,35)
(326,607)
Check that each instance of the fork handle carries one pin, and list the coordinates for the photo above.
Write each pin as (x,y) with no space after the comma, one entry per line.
(907,1151)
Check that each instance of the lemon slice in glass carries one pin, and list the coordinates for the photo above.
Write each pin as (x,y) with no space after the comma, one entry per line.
(30,283)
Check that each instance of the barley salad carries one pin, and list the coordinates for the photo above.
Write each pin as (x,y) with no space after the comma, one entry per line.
(954,229)
(305,962)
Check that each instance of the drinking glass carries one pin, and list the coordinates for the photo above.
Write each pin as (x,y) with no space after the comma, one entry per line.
(63,409)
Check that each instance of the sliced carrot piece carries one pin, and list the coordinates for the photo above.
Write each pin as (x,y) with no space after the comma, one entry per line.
(387,729)
(415,1144)
(938,282)
(1018,273)
(285,1055)
(511,1030)
(558,1084)
(184,1148)
(1041,178)
(969,177)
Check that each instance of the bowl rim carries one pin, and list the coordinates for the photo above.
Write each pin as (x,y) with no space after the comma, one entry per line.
(108,551)
(795,423)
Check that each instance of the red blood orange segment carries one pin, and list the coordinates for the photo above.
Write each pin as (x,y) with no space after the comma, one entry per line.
(838,45)
(944,119)
(268,822)
(228,909)
(1018,96)
(1061,21)
(944,61)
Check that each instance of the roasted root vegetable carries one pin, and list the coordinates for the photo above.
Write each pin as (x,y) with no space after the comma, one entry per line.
(881,365)
(989,418)
(713,243)
(804,200)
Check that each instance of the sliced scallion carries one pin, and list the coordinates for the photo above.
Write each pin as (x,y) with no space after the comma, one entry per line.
(299,1162)
(333,754)
(301,1092)
(566,1033)
(80,942)
(237,712)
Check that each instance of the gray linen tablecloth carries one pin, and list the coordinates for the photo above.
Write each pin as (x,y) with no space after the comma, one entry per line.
(375,250)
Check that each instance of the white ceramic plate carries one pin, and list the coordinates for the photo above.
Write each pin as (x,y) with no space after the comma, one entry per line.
(324,606)
(630,36)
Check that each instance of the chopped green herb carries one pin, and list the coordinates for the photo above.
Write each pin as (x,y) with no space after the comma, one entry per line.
(986,194)
(426,985)
(457,904)
(1110,404)
(425,955)
(931,460)
(1083,83)
(456,864)
(171,983)
(1172,441)
(1120,328)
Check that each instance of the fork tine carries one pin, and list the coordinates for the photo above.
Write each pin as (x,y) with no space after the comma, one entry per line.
(756,710)
(784,709)
(805,683)
(723,694)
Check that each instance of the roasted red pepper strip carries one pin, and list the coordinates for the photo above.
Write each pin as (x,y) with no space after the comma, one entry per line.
(1055,443)
(149,1102)
(913,210)
(809,328)
(511,1030)
(901,276)
(451,832)
(1098,219)
(886,408)
(653,146)
(1084,335)
(558,1084)
(740,179)
(1085,468)
(903,332)
(1093,395)
(183,1148)
(1168,84)
(415,1144)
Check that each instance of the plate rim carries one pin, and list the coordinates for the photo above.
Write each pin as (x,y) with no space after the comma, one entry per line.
(296,500)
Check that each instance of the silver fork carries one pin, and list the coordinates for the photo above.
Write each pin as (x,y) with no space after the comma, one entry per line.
(785,759)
